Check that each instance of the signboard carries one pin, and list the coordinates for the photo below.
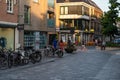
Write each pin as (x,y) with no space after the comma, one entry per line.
(57,29)
(20,27)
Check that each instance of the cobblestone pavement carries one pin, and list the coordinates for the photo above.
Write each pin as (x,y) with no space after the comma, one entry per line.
(84,65)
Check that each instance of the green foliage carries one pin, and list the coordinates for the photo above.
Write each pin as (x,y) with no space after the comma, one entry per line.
(118,19)
(110,44)
(110,18)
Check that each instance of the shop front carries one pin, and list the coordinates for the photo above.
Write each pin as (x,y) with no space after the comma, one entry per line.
(36,40)
(7,35)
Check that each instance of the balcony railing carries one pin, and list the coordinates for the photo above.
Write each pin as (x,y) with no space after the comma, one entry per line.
(67,28)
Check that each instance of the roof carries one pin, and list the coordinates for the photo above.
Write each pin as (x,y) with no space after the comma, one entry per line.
(86,1)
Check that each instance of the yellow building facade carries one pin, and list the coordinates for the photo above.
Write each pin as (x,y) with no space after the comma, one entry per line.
(77,20)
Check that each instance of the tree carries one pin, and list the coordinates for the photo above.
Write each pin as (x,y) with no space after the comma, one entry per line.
(110,18)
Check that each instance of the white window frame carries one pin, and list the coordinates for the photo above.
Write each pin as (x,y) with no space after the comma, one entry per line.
(10,6)
(36,1)
(66,10)
(62,10)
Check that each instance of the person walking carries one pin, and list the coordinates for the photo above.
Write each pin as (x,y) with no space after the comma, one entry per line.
(55,42)
(69,42)
(103,45)
(83,47)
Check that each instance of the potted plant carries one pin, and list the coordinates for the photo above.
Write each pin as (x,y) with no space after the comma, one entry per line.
(70,48)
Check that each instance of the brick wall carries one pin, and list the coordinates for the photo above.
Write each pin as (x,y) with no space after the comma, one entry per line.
(8,17)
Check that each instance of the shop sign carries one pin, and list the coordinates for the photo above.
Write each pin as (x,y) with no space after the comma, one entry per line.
(57,29)
(20,27)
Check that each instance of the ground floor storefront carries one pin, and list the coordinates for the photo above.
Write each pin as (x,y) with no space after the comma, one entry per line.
(36,40)
(8,35)
(77,36)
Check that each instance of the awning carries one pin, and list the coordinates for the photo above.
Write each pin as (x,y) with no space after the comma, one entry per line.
(4,24)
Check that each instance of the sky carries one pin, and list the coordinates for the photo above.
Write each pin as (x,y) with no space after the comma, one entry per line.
(103,4)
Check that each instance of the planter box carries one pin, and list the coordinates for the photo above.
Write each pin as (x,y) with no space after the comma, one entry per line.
(68,50)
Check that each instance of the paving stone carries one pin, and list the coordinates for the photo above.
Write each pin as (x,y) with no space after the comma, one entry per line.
(88,65)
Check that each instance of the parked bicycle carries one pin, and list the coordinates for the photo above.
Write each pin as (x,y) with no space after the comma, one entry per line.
(48,51)
(34,55)
(23,57)
(13,58)
(58,52)
(4,58)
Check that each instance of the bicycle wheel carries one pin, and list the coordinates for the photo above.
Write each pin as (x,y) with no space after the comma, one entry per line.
(25,61)
(31,58)
(37,57)
(10,61)
(60,54)
(46,52)
(3,64)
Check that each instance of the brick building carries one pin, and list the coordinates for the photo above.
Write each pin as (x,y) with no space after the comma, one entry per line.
(26,22)
(9,22)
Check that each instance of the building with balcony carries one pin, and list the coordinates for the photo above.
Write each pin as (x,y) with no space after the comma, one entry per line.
(78,20)
(8,23)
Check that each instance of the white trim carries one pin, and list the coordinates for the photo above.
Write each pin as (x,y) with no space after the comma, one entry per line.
(67,31)
(10,7)
(16,38)
(75,3)
(75,16)
(8,23)
(36,1)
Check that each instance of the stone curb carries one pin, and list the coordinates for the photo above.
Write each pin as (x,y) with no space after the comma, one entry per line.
(109,48)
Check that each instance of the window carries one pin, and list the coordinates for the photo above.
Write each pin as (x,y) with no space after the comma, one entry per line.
(66,0)
(66,10)
(26,14)
(36,1)
(63,10)
(9,6)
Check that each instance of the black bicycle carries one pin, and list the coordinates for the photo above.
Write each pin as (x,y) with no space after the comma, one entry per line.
(3,59)
(33,55)
(58,52)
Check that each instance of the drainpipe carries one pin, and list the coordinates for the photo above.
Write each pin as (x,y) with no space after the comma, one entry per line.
(20,26)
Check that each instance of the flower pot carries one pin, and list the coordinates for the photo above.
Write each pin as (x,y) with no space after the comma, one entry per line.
(69,50)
